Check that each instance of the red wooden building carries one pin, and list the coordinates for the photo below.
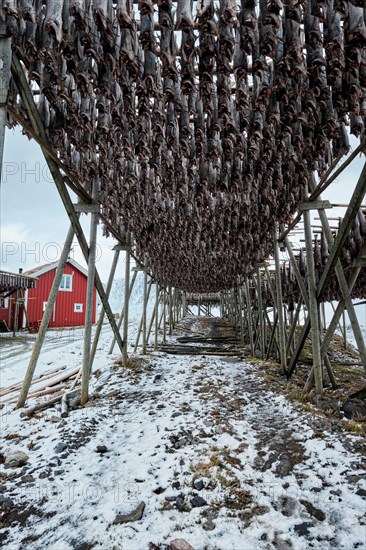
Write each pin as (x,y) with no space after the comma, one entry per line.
(69,309)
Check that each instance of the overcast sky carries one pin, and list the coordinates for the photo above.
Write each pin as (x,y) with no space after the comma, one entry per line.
(34,223)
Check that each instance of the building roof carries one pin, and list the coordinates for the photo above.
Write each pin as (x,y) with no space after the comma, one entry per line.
(9,282)
(41,269)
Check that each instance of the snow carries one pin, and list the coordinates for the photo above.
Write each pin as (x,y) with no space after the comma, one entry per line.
(231,422)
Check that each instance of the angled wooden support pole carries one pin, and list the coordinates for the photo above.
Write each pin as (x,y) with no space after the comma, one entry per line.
(343,231)
(89,302)
(144,314)
(164,315)
(313,303)
(113,343)
(170,311)
(249,314)
(98,330)
(45,319)
(126,303)
(5,73)
(279,300)
(261,314)
(156,316)
(342,281)
(37,125)
(333,324)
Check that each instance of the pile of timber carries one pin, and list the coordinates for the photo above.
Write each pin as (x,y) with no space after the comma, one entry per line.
(55,382)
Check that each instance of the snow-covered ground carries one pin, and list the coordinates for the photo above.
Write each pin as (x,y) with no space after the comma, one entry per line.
(64,347)
(270,475)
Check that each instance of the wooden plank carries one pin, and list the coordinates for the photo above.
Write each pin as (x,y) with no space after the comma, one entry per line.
(314,205)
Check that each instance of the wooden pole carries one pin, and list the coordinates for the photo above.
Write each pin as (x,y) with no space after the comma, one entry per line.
(170,312)
(260,314)
(342,281)
(250,317)
(36,122)
(45,319)
(164,316)
(98,329)
(16,313)
(126,303)
(313,303)
(279,298)
(156,316)
(144,316)
(113,343)
(140,329)
(5,73)
(89,302)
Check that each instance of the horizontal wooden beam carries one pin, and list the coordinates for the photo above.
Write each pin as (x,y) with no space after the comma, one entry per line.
(314,205)
(87,208)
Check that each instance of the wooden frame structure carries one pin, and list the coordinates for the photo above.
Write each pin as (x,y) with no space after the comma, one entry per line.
(220,108)
(262,334)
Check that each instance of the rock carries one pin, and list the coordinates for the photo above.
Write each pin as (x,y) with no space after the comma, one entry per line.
(197,502)
(313,511)
(286,505)
(5,503)
(166,506)
(158,490)
(361,493)
(175,414)
(209,525)
(101,449)
(55,419)
(27,478)
(176,485)
(60,447)
(180,504)
(180,544)
(16,459)
(327,404)
(198,485)
(302,529)
(354,407)
(181,443)
(135,515)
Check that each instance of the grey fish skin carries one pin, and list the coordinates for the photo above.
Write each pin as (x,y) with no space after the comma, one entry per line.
(184,16)
(27,10)
(77,7)
(10,7)
(53,19)
(123,14)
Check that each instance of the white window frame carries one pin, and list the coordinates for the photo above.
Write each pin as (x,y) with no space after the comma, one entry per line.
(5,303)
(78,308)
(66,276)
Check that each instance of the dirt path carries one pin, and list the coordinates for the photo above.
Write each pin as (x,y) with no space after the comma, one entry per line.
(217,459)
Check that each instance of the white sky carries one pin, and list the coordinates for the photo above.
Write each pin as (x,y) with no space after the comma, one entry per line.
(33,222)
